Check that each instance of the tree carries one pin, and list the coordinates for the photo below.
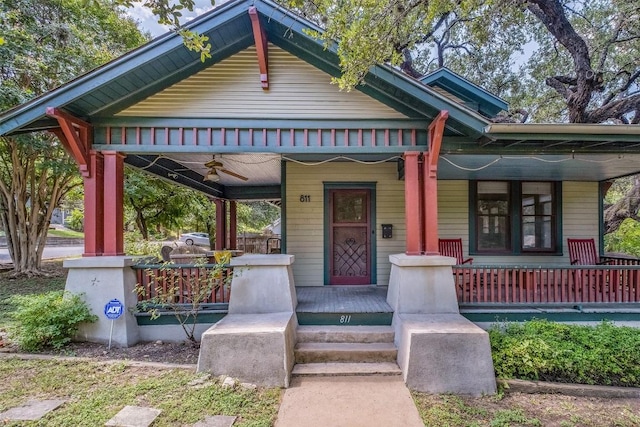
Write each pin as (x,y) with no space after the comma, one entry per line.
(46,42)
(155,203)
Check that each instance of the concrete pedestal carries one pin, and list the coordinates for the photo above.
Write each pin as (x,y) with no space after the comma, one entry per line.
(254,348)
(102,279)
(255,341)
(439,351)
(444,353)
(262,284)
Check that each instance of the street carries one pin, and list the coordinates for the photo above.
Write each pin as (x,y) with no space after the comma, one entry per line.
(49,252)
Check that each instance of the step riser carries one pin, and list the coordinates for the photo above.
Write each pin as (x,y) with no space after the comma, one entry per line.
(318,356)
(345,369)
(344,319)
(339,334)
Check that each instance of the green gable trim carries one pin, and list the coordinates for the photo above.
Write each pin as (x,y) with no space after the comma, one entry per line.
(165,60)
(283,207)
(483,101)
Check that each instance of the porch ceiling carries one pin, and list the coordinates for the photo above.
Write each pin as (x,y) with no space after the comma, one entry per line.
(557,167)
(261,170)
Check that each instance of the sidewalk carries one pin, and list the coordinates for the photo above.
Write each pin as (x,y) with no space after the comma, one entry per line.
(348,402)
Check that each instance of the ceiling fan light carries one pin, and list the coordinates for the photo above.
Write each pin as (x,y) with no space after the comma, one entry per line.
(212,175)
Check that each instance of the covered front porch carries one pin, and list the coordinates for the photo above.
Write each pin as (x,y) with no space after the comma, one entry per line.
(485,294)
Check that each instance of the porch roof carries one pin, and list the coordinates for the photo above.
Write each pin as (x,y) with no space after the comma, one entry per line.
(164,61)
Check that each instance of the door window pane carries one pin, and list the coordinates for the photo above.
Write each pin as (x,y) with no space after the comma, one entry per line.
(350,207)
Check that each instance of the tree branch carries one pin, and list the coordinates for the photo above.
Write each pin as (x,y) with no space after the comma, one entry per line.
(614,110)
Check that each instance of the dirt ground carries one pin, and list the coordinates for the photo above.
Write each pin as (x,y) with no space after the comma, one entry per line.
(179,353)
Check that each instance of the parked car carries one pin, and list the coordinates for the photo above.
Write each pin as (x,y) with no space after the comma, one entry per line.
(195,238)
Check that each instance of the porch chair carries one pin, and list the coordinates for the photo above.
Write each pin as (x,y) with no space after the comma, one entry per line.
(583,252)
(453,248)
(461,277)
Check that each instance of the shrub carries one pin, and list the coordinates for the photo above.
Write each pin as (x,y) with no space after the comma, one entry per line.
(76,220)
(49,319)
(605,354)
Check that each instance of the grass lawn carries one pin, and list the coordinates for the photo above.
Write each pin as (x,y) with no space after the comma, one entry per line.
(95,392)
(65,233)
(517,409)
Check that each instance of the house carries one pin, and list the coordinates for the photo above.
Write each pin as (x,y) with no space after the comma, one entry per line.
(386,169)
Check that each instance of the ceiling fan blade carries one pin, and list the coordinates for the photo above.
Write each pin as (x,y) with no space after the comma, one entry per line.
(228,172)
(213,164)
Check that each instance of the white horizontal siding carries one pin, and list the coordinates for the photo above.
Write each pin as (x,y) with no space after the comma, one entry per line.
(580,219)
(305,221)
(232,89)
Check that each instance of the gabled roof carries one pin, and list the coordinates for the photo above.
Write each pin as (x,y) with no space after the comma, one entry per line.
(165,61)
(469,93)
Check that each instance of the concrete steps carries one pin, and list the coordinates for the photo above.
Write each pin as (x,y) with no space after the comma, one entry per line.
(345,350)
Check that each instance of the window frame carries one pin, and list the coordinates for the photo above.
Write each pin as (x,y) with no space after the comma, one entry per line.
(515,220)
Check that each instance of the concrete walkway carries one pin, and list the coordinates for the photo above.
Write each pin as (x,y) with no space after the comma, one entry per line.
(348,401)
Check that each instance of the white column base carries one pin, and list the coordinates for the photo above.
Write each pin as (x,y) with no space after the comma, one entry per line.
(102,279)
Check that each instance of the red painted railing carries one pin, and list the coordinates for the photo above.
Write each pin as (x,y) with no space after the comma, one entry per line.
(184,283)
(619,282)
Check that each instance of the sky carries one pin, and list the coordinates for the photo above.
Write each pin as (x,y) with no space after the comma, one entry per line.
(149,22)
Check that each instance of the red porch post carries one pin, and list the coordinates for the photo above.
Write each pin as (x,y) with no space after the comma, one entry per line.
(94,206)
(221,224)
(430,183)
(412,203)
(113,201)
(233,225)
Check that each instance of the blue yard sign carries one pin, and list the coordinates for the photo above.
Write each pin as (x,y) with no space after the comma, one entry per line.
(113,309)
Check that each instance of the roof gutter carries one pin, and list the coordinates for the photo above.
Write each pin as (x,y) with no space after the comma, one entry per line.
(561,128)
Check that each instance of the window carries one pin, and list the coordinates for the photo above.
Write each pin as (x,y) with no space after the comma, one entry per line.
(514,217)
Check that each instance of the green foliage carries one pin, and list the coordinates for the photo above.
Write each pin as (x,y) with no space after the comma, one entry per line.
(76,220)
(134,244)
(170,13)
(152,203)
(45,44)
(539,349)
(255,216)
(626,239)
(49,319)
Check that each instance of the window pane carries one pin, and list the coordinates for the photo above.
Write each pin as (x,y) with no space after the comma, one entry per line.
(537,216)
(493,228)
(349,207)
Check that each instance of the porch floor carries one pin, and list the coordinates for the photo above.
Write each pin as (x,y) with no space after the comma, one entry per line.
(343,305)
(343,299)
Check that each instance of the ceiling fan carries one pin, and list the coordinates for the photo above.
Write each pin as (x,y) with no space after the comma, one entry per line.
(215,166)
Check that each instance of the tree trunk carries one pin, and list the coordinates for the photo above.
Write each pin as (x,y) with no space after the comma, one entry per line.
(30,189)
(627,207)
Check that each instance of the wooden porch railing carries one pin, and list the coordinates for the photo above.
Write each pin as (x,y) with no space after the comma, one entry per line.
(187,282)
(615,283)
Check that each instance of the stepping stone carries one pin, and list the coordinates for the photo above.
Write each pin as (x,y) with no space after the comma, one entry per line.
(134,416)
(216,421)
(33,410)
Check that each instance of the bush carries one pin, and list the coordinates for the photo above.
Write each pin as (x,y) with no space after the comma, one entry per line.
(49,319)
(76,220)
(604,355)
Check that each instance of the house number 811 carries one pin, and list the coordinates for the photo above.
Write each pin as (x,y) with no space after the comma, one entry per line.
(305,198)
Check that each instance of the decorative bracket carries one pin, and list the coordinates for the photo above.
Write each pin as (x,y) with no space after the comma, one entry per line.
(436,131)
(74,135)
(260,38)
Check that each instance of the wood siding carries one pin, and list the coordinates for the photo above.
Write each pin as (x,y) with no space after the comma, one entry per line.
(231,89)
(305,220)
(579,220)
